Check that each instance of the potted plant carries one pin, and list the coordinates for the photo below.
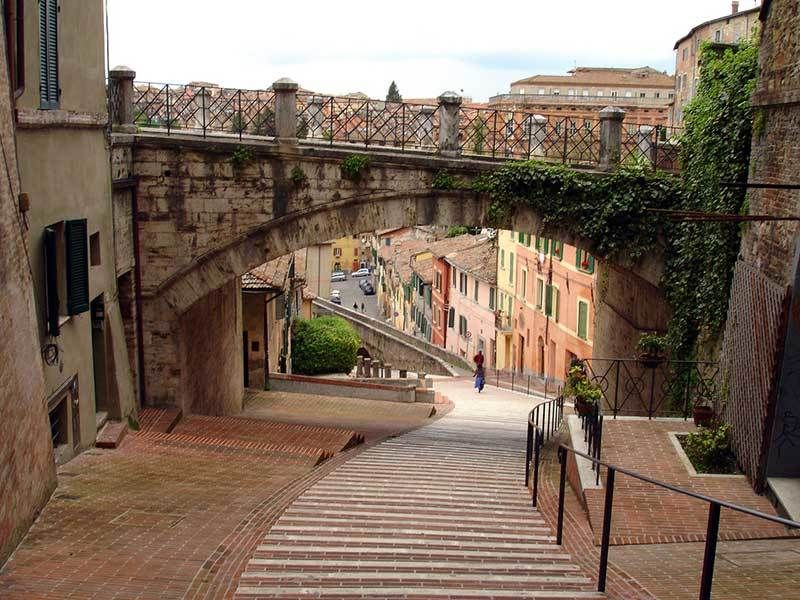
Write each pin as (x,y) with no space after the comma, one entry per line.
(586,394)
(702,413)
(652,349)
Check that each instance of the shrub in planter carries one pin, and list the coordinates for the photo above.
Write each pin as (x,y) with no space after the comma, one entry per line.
(651,349)
(709,449)
(585,393)
(323,345)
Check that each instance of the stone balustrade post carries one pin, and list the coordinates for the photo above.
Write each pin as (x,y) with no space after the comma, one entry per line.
(610,137)
(202,112)
(120,81)
(367,368)
(359,366)
(316,122)
(387,371)
(285,111)
(376,369)
(645,142)
(538,134)
(449,109)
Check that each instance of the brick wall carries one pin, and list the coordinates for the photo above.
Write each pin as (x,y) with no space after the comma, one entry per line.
(27,468)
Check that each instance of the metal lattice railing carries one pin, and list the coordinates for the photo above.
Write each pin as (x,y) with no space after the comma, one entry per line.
(358,120)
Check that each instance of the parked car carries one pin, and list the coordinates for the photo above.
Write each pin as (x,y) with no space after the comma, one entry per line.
(337,293)
(368,289)
(336,299)
(363,282)
(338,276)
(361,273)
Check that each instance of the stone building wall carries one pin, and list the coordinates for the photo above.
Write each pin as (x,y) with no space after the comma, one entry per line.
(27,468)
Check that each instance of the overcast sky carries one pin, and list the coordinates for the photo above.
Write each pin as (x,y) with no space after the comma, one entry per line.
(427,46)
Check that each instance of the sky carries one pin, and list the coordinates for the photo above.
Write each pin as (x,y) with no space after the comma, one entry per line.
(426,46)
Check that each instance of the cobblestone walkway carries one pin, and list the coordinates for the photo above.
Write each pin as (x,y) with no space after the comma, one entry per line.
(436,513)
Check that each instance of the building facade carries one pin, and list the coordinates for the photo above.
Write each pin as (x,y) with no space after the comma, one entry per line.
(546,304)
(350,253)
(730,29)
(64,158)
(644,93)
(473,301)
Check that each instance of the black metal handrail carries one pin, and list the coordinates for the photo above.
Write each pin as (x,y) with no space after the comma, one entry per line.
(522,382)
(714,508)
(543,421)
(592,426)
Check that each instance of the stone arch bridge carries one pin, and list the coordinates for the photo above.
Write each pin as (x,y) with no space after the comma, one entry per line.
(206,210)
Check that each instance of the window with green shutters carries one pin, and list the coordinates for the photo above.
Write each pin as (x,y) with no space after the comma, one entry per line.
(492,298)
(539,294)
(557,249)
(52,300)
(543,245)
(521,237)
(451,318)
(77,247)
(511,268)
(475,290)
(583,320)
(584,261)
(428,297)
(551,302)
(48,54)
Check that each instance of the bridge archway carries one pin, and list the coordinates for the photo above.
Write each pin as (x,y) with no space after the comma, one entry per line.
(203,221)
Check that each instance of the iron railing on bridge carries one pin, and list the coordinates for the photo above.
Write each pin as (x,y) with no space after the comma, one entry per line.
(406,126)
(524,383)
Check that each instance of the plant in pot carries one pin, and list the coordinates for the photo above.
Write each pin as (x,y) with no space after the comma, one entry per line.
(586,394)
(652,349)
(703,413)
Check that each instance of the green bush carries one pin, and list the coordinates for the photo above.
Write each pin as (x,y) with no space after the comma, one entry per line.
(323,345)
(709,449)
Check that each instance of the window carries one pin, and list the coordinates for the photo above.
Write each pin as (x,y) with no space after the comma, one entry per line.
(671,95)
(599,93)
(94,249)
(48,54)
(573,128)
(556,92)
(462,283)
(541,91)
(717,35)
(510,128)
(685,53)
(583,320)
(492,298)
(511,267)
(551,302)
(452,277)
(642,95)
(628,94)
(14,14)
(587,125)
(462,326)
(570,92)
(539,293)
(584,261)
(337,252)
(451,318)
(585,92)
(387,241)
(614,94)
(557,249)
(502,259)
(475,290)
(658,95)
(543,245)
(437,281)
(428,297)
(523,282)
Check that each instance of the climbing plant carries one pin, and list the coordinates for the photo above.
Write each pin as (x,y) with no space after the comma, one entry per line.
(715,149)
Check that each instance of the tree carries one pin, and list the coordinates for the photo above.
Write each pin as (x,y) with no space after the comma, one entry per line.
(393,95)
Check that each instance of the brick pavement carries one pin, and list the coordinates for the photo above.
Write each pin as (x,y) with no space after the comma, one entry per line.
(645,514)
(164,516)
(439,512)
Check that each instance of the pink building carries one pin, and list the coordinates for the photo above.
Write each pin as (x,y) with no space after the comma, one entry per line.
(473,297)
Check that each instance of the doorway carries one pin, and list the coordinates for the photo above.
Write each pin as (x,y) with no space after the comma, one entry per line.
(97,311)
(245,359)
(521,355)
(540,346)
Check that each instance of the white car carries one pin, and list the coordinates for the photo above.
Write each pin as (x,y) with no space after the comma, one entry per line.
(360,273)
(338,276)
(336,293)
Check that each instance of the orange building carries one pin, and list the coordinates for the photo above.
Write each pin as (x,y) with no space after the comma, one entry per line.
(552,318)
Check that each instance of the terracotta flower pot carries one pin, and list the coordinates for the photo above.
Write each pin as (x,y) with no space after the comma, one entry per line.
(582,407)
(702,415)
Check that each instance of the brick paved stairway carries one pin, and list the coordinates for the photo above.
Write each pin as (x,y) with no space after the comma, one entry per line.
(436,513)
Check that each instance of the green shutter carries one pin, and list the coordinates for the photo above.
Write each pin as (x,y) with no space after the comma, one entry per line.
(451,318)
(583,320)
(556,303)
(558,250)
(546,245)
(51,281)
(538,244)
(521,237)
(77,247)
(48,54)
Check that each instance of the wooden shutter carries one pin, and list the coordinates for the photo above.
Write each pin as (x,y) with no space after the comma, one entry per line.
(77,246)
(451,318)
(51,281)
(583,320)
(548,301)
(48,54)
(556,303)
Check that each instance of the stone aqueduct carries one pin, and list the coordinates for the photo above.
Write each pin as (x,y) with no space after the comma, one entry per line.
(201,220)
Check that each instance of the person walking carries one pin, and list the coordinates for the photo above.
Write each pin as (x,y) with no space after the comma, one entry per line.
(362,308)
(355,306)
(478,358)
(480,378)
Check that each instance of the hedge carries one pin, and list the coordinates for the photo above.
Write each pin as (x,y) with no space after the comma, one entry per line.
(323,345)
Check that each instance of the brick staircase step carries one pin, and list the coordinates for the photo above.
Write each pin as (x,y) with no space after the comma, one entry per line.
(161,420)
(111,435)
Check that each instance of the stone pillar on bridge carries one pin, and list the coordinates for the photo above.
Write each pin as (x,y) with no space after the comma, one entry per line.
(367,368)
(120,79)
(610,137)
(645,141)
(538,134)
(449,108)
(359,366)
(285,111)
(316,117)
(376,369)
(202,113)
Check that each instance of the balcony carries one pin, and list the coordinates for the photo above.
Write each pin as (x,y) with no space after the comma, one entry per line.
(502,322)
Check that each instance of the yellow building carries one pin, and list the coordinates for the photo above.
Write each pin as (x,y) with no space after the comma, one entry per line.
(349,253)
(506,291)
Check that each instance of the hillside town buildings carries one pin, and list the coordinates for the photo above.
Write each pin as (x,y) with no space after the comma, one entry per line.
(729,29)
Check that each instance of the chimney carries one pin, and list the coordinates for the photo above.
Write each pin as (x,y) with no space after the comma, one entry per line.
(734,7)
